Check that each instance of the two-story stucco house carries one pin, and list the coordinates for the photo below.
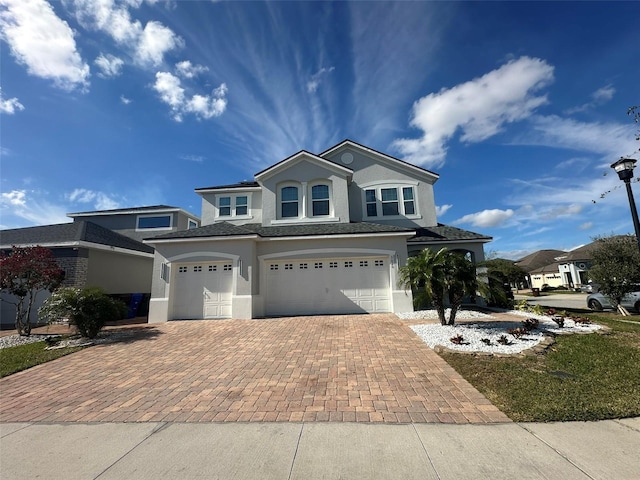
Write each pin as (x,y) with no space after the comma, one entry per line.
(313,234)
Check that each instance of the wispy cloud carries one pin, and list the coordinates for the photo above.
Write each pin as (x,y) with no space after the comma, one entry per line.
(586,226)
(608,139)
(599,97)
(109,65)
(192,158)
(479,109)
(125,100)
(99,200)
(442,209)
(316,79)
(10,106)
(172,93)
(43,42)
(29,207)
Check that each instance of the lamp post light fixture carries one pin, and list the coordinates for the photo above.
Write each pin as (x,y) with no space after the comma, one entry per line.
(624,168)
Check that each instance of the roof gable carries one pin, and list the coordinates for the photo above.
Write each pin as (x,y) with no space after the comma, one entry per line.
(301,156)
(382,158)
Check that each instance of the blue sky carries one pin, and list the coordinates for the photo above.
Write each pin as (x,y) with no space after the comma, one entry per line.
(520,107)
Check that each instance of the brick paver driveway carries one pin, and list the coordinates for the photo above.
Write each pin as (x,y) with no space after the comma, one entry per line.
(364,368)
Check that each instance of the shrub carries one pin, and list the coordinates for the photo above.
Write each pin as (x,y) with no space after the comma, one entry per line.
(88,309)
(530,324)
(458,339)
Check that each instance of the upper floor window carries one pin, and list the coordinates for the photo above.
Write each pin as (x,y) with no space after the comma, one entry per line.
(289,202)
(320,200)
(233,206)
(390,201)
(153,221)
(192,224)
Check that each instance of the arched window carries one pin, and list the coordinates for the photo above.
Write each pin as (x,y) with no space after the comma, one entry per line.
(320,200)
(289,202)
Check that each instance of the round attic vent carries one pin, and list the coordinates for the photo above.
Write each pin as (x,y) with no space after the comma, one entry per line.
(346,158)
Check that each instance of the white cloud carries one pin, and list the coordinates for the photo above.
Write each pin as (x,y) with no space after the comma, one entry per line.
(586,226)
(110,65)
(487,218)
(192,158)
(603,94)
(599,97)
(478,108)
(202,106)
(10,105)
(609,139)
(14,197)
(125,100)
(316,78)
(187,70)
(100,200)
(147,45)
(43,42)
(442,209)
(154,42)
(18,206)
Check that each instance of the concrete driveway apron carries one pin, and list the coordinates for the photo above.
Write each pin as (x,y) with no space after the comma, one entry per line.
(353,368)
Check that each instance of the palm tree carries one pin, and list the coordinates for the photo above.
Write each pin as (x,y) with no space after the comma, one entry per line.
(439,278)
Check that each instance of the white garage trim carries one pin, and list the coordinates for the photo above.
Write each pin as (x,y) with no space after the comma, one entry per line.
(327,285)
(202,290)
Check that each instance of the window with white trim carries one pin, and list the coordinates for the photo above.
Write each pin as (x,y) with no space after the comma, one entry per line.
(320,200)
(390,201)
(191,224)
(233,206)
(289,202)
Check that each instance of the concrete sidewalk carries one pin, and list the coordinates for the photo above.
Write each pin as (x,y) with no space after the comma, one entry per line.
(597,450)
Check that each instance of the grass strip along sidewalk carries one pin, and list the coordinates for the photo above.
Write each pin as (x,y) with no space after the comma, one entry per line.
(580,377)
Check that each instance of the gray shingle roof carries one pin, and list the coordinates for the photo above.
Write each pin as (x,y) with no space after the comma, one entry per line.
(539,259)
(70,232)
(445,233)
(125,210)
(233,185)
(440,233)
(224,229)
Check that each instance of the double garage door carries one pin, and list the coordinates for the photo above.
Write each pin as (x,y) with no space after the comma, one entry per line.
(327,286)
(202,290)
(293,287)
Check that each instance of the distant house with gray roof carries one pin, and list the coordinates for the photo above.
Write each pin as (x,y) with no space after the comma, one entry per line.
(90,255)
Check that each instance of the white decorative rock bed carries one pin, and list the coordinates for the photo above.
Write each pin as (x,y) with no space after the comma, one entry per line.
(436,335)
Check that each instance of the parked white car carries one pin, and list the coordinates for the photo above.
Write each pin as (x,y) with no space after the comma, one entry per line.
(598,302)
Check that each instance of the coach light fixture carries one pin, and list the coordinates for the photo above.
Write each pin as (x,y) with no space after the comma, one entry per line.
(624,168)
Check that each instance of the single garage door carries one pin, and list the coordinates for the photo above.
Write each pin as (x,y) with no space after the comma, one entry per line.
(202,290)
(322,286)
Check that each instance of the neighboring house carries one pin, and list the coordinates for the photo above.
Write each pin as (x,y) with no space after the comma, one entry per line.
(313,234)
(141,222)
(575,265)
(536,263)
(548,275)
(90,255)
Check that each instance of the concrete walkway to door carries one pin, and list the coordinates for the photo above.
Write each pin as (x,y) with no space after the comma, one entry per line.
(355,368)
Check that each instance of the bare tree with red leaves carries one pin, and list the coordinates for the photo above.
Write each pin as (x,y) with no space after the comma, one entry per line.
(24,273)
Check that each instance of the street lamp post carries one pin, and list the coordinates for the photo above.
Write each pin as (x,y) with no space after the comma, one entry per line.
(624,168)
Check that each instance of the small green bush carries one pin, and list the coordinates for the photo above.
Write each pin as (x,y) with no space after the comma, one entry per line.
(88,309)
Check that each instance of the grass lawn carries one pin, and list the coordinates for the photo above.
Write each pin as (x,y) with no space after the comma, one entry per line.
(580,377)
(21,357)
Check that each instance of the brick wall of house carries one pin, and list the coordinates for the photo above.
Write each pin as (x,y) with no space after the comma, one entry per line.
(75,263)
